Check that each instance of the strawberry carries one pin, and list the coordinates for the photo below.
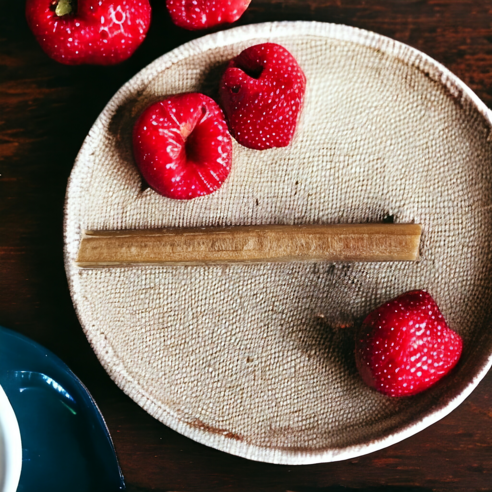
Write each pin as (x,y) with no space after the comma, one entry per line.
(200,14)
(89,31)
(262,92)
(404,346)
(182,146)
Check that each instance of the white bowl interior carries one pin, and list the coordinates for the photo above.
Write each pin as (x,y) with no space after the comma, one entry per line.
(10,446)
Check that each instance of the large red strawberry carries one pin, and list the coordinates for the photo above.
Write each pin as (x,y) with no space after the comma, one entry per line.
(182,146)
(201,14)
(405,346)
(100,32)
(262,92)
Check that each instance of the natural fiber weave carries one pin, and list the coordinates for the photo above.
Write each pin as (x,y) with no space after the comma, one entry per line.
(257,360)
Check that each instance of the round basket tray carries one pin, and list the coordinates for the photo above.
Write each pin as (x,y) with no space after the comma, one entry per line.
(257,360)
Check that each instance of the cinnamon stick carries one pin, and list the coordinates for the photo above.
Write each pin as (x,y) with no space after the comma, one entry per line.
(266,243)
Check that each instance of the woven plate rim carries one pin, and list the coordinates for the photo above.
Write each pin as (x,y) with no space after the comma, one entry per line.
(408,55)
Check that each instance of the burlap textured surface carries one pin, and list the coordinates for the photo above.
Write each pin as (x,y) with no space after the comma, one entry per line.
(257,360)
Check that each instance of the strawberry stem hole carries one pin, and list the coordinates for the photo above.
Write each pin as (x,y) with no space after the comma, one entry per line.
(253,72)
(192,146)
(193,141)
(251,67)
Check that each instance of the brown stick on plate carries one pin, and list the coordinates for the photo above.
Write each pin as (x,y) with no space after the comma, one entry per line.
(267,243)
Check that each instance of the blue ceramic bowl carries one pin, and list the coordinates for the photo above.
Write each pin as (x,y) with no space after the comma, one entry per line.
(65,442)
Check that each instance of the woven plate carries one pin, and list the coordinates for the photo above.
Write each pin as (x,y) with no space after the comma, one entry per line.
(257,360)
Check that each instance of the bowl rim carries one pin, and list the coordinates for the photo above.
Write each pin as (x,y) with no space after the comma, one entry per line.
(271,30)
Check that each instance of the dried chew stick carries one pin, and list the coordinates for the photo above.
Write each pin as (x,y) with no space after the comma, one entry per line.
(267,243)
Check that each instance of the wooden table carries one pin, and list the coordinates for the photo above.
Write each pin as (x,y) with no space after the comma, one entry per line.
(46,109)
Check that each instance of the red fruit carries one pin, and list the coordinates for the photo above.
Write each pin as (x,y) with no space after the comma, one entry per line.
(99,32)
(182,146)
(404,346)
(200,14)
(262,92)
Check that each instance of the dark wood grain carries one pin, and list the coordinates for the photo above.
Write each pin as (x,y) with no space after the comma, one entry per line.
(46,109)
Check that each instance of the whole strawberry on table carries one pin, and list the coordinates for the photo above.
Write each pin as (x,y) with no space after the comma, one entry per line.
(96,32)
(202,14)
